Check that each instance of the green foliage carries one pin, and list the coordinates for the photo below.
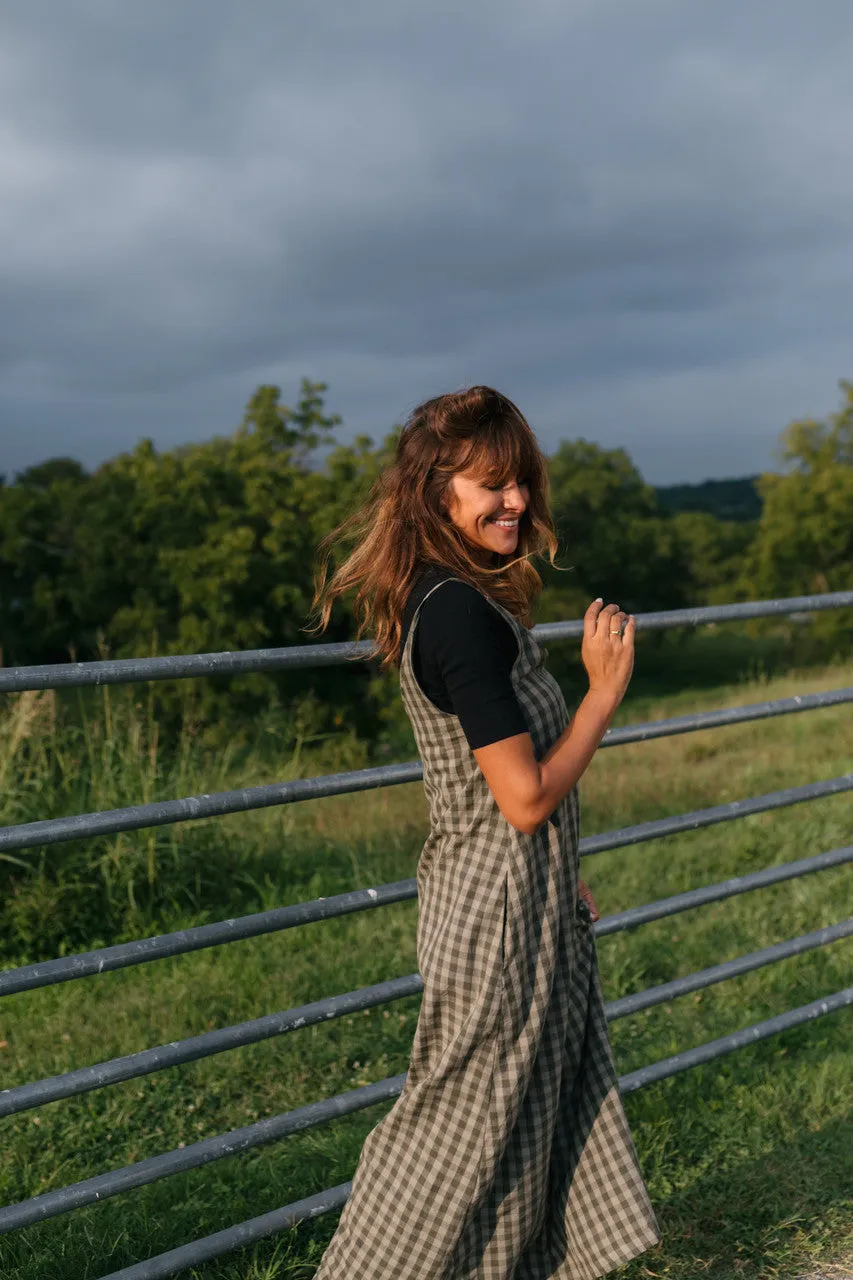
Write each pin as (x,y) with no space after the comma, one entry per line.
(805,537)
(724,499)
(713,552)
(39,517)
(203,548)
(66,755)
(611,533)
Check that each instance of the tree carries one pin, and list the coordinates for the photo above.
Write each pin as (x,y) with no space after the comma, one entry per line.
(713,551)
(39,516)
(206,547)
(805,535)
(611,533)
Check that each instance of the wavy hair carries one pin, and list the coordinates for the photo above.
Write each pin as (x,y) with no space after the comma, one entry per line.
(403,525)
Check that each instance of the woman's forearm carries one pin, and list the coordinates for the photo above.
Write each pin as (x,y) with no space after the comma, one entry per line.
(565,762)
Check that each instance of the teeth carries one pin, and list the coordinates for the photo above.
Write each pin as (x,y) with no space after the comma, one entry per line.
(506,524)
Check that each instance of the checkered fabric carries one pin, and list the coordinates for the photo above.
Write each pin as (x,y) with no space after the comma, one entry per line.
(508,1155)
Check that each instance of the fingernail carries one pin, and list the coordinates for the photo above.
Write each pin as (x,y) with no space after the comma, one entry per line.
(598,600)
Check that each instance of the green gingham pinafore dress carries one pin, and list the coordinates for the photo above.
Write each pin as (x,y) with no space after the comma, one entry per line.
(508,1155)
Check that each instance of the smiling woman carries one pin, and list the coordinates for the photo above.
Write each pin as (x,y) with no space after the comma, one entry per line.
(508,1153)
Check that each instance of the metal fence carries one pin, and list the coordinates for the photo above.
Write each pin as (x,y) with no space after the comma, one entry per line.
(67,968)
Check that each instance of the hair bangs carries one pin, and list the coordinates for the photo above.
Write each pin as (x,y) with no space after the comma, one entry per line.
(500,453)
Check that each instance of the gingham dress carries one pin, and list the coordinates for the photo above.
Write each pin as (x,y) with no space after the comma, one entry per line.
(508,1154)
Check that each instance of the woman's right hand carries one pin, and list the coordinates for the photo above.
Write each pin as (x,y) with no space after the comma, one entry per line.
(608,649)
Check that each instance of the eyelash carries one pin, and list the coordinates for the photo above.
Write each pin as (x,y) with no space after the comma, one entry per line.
(496,488)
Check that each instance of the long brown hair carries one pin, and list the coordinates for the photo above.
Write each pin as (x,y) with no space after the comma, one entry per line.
(403,525)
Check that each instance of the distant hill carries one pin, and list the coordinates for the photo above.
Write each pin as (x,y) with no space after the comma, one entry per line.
(725,499)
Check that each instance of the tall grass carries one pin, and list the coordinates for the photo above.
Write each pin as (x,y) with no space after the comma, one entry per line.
(749,1160)
(104,751)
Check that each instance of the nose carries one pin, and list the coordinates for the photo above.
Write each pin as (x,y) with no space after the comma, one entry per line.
(513,497)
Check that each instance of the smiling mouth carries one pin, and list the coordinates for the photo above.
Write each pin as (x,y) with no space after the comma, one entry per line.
(506,524)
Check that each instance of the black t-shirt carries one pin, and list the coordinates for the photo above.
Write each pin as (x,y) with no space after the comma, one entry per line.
(462,656)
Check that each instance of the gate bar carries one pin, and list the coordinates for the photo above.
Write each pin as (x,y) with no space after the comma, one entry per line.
(65,675)
(147,1061)
(76,1196)
(47,973)
(716,892)
(659,827)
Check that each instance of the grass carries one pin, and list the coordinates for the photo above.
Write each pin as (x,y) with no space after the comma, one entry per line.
(749,1159)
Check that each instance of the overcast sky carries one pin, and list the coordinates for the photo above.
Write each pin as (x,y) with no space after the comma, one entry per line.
(634,217)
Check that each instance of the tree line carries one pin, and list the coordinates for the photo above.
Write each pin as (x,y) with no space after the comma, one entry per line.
(212,546)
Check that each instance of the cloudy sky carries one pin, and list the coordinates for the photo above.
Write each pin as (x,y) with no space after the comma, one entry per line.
(635,217)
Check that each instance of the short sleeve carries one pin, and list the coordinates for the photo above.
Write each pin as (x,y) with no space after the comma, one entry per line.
(466,653)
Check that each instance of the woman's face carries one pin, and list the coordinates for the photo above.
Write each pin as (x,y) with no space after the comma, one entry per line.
(488,515)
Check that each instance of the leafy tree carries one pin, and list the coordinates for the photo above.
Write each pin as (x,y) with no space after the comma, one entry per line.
(217,551)
(611,533)
(39,516)
(713,551)
(805,536)
(212,546)
(726,499)
(207,547)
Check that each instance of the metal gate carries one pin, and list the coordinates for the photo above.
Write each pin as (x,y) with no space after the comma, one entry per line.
(68,968)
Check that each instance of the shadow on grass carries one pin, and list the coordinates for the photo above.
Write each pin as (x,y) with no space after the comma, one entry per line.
(775,1210)
(749,1219)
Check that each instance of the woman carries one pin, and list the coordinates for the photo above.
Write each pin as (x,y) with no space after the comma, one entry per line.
(508,1153)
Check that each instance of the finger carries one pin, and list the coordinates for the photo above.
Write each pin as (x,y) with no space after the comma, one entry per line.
(590,618)
(630,631)
(617,625)
(604,623)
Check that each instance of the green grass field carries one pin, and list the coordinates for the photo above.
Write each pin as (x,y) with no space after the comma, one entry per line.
(749,1160)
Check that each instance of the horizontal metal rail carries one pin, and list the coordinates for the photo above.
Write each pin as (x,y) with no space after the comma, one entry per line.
(659,827)
(219,1243)
(703,1053)
(665,991)
(730,888)
(159,813)
(162,813)
(92,1190)
(147,1061)
(46,973)
(65,1199)
(699,720)
(67,675)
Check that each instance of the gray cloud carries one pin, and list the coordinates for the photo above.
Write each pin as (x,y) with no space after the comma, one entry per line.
(635,219)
